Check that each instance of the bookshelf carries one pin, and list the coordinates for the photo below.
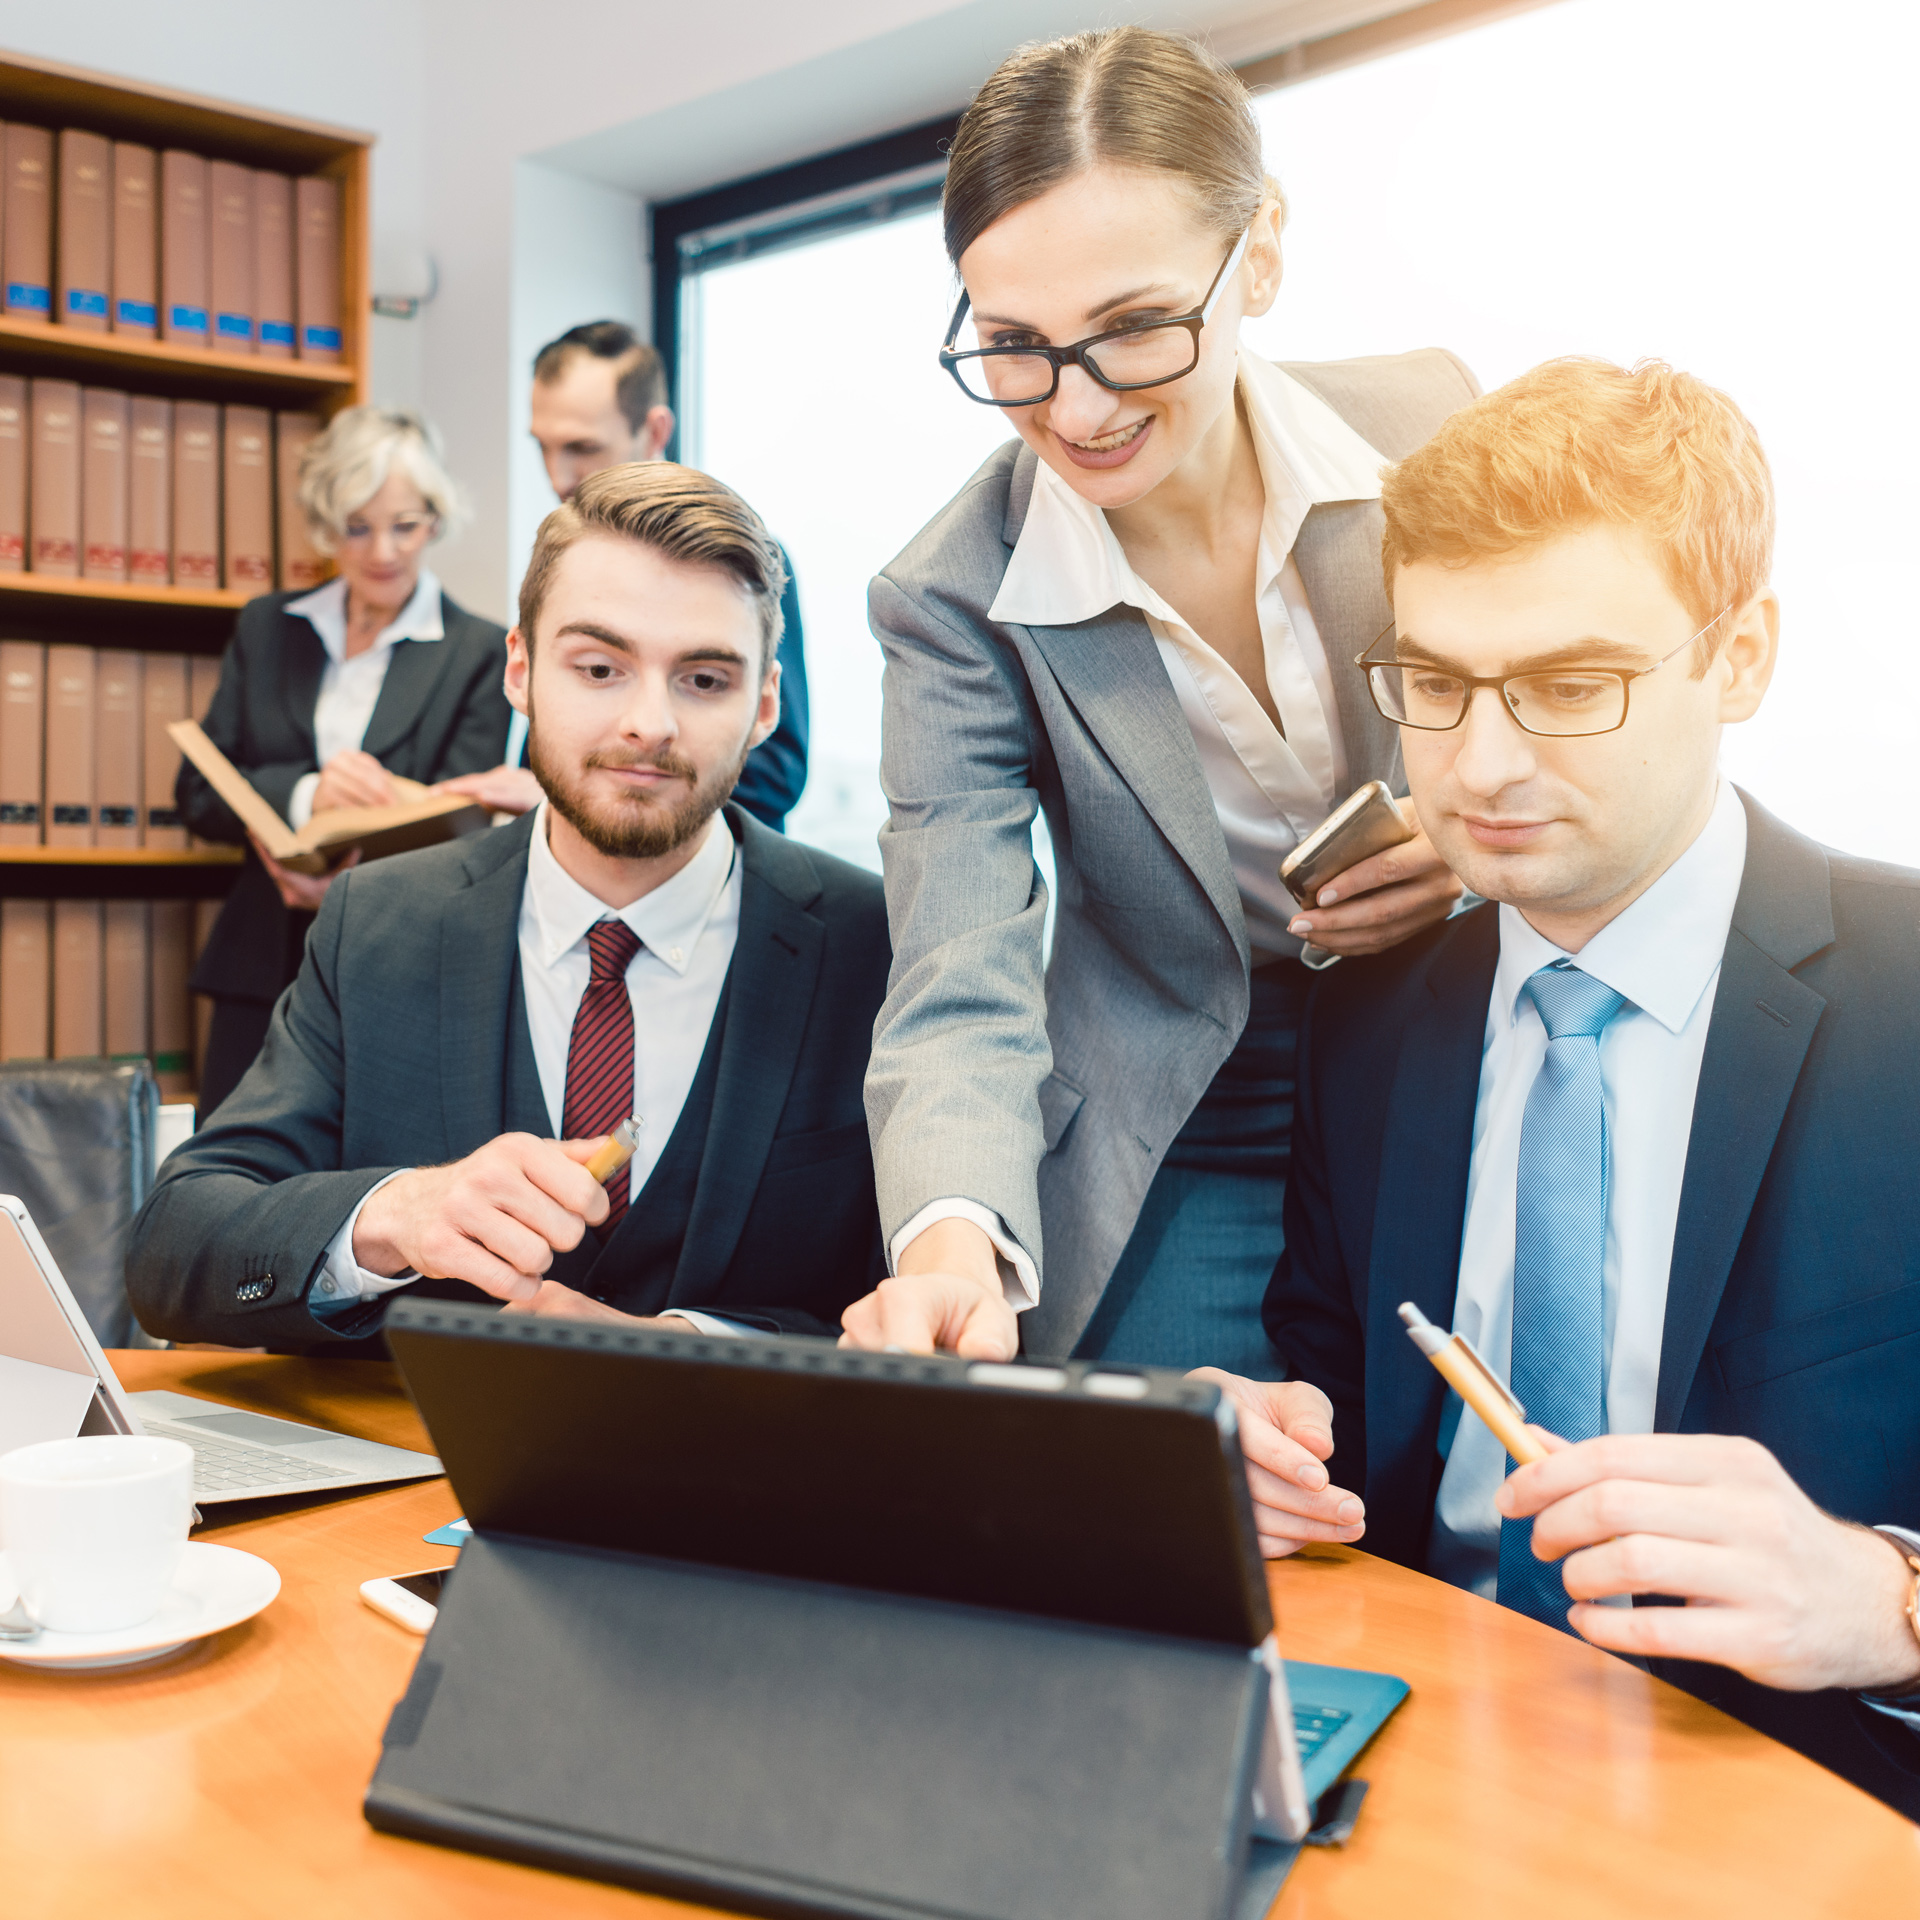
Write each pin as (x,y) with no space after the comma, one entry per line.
(175,619)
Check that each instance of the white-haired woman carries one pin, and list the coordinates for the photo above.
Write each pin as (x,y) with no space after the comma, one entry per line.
(325,696)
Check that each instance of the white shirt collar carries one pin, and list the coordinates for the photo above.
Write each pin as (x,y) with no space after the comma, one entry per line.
(1068,565)
(1663,951)
(668,921)
(325,609)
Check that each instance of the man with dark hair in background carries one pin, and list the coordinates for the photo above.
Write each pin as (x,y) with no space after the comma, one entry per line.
(600,400)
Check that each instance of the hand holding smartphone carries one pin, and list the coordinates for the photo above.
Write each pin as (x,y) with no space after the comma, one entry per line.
(1366,822)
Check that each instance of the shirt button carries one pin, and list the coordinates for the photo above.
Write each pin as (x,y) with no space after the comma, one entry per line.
(676,955)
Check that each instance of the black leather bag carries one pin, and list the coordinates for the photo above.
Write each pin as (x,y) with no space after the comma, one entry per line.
(77,1150)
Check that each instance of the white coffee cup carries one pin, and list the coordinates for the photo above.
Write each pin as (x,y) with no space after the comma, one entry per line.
(93,1529)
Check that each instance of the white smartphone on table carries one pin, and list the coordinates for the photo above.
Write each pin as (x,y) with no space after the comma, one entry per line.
(410,1600)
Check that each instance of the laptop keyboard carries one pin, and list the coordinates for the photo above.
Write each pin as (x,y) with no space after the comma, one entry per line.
(231,1466)
(1313,1727)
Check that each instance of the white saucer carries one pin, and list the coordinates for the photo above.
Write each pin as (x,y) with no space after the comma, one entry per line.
(216,1587)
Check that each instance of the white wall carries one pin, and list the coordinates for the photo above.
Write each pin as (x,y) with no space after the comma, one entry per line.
(579,253)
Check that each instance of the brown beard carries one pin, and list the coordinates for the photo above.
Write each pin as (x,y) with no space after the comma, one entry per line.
(644,828)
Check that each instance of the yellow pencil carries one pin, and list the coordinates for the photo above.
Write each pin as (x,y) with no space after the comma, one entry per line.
(1471,1378)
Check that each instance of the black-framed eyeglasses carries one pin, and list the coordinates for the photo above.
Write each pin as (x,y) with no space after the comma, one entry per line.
(1558,702)
(1123,360)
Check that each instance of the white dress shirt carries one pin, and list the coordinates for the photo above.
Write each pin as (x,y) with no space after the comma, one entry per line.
(1270,789)
(1663,953)
(687,929)
(350,689)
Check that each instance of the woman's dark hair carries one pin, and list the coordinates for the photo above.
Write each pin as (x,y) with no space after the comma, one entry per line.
(1125,97)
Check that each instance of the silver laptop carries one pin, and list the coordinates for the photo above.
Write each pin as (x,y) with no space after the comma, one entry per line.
(55,1382)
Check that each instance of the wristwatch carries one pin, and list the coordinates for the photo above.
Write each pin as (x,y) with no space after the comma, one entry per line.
(1908,1546)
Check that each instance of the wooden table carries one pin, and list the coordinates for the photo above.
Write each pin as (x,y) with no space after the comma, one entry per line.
(1527,1774)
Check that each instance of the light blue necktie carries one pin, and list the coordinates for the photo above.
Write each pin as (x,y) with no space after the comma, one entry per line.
(1558,1368)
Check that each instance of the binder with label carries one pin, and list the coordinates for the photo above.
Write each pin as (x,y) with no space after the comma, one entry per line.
(23,721)
(759,1623)
(273,263)
(184,241)
(150,491)
(136,241)
(83,256)
(54,476)
(26,222)
(230,257)
(13,473)
(316,229)
(106,447)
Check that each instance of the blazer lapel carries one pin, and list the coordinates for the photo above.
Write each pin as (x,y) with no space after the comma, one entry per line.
(1763,1022)
(479,954)
(1420,1208)
(1111,670)
(302,662)
(1338,553)
(411,675)
(776,965)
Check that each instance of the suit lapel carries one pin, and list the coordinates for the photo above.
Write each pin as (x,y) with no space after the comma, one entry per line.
(302,662)
(1338,553)
(769,994)
(479,953)
(1419,1211)
(1111,670)
(411,676)
(1763,1022)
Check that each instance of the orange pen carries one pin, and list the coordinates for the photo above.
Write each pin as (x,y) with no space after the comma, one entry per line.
(1473,1380)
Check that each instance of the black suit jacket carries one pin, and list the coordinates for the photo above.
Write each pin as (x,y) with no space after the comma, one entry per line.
(442,711)
(1793,1304)
(404,1043)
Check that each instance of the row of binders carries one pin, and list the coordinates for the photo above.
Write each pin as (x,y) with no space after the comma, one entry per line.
(80,979)
(100,485)
(98,234)
(85,758)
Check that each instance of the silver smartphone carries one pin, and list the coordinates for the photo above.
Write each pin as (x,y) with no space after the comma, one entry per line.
(1366,822)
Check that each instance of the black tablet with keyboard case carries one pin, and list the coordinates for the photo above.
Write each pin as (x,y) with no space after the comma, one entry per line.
(769,1626)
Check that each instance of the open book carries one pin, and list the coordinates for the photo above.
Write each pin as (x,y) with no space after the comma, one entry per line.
(419,819)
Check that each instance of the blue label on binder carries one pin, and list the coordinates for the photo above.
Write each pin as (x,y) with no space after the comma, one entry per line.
(327,339)
(33,299)
(80,301)
(137,313)
(119,817)
(275,333)
(187,319)
(236,326)
(73,816)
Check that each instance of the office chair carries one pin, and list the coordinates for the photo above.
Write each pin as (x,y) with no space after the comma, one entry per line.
(77,1148)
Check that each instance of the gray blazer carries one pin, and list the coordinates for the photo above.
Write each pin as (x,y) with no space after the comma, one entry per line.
(1051,1096)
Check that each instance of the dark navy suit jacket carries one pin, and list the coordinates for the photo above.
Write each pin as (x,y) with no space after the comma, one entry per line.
(404,1043)
(1793,1303)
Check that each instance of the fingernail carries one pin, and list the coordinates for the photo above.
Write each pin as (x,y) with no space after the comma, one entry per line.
(1312,1476)
(1348,1512)
(1299,928)
(1327,897)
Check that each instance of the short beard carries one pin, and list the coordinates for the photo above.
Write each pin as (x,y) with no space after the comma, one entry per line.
(645,828)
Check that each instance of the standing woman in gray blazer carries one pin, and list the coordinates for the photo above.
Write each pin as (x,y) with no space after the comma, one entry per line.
(1141,618)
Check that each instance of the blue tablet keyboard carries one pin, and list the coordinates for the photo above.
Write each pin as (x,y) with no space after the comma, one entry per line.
(1313,1727)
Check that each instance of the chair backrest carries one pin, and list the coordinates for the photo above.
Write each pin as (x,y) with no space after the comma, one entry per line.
(77,1148)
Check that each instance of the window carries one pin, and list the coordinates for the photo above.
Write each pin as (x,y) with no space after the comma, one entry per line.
(809,379)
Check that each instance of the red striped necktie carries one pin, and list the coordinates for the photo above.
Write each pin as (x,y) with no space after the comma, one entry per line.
(600,1055)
